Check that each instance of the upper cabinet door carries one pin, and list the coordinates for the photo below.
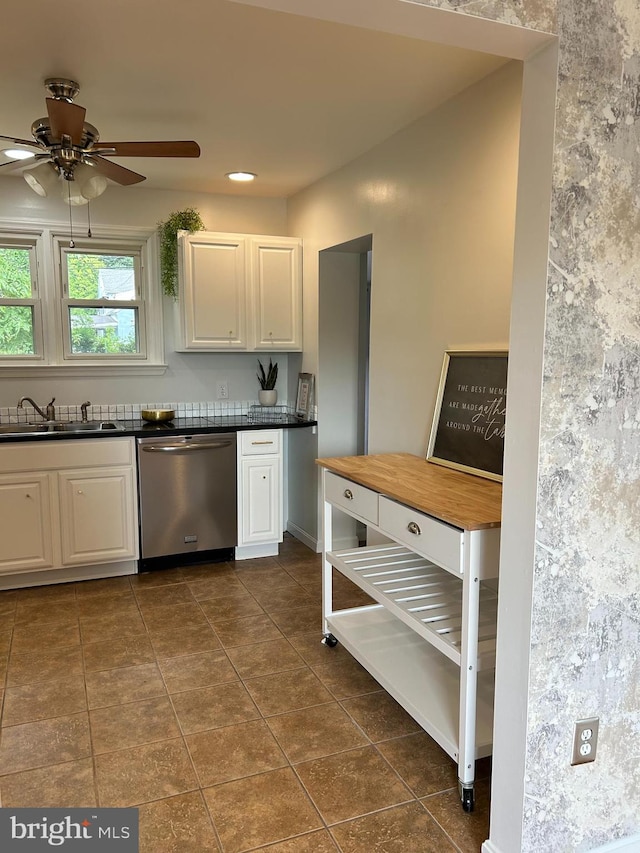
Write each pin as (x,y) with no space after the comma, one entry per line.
(276,274)
(213,291)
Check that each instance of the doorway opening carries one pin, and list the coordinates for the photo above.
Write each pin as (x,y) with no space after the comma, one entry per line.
(343,346)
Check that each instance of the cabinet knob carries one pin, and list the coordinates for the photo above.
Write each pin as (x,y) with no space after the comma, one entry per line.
(412,527)
(28,496)
(80,492)
(348,494)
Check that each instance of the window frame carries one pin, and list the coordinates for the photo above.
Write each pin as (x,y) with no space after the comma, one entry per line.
(54,357)
(32,244)
(117,247)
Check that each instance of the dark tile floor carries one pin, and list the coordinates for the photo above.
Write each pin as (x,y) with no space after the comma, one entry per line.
(204,696)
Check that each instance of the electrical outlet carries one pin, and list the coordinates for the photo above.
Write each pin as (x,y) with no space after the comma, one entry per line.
(585,740)
(222,390)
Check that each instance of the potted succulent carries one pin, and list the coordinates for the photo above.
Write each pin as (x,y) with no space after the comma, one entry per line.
(267,395)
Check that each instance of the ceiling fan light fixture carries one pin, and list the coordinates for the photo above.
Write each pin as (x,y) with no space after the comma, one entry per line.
(43,179)
(90,182)
(18,153)
(241,177)
(70,192)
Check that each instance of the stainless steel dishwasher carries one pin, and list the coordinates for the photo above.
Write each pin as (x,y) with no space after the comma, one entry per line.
(187,488)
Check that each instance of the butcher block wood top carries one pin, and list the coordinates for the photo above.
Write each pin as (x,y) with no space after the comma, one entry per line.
(461,499)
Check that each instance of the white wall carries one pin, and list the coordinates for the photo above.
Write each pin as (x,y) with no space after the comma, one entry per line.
(190,376)
(439,199)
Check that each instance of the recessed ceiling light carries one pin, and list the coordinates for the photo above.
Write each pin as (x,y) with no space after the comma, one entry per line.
(18,153)
(241,176)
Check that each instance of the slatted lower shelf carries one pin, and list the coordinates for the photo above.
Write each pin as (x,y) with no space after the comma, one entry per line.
(423,681)
(425,597)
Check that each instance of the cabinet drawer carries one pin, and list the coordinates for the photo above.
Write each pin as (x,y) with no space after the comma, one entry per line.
(352,497)
(433,539)
(260,442)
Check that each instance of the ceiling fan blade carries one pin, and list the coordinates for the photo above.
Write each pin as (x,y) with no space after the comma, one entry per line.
(25,164)
(17,141)
(114,172)
(152,149)
(66,119)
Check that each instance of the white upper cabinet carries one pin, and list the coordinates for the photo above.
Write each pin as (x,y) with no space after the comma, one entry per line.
(213,291)
(239,292)
(276,265)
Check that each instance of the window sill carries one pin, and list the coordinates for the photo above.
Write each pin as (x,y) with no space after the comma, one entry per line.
(113,369)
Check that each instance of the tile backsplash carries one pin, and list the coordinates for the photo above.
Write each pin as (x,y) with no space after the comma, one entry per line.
(131,411)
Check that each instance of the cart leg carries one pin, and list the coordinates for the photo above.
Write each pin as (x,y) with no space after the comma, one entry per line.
(468,670)
(330,640)
(467,795)
(327,568)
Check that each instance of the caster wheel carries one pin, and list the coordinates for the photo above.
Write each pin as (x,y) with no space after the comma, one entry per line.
(468,800)
(330,641)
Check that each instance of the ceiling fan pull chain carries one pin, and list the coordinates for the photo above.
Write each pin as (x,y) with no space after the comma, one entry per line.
(89,234)
(72,244)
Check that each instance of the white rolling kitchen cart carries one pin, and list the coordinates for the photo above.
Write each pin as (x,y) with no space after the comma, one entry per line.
(430,636)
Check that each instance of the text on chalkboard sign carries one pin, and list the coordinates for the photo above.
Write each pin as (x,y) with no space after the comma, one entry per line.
(469,420)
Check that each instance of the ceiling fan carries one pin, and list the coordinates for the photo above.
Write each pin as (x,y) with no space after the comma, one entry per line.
(67,147)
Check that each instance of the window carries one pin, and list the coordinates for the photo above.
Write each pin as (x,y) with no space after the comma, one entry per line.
(102,303)
(93,306)
(19,306)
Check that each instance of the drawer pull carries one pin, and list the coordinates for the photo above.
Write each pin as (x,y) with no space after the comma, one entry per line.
(261,442)
(348,494)
(412,527)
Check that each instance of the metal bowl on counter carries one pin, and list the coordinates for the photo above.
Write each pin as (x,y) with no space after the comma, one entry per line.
(155,415)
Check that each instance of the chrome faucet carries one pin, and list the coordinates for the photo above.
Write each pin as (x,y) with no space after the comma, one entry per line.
(49,415)
(83,409)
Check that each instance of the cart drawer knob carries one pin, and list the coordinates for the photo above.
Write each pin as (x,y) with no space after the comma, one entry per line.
(348,494)
(412,527)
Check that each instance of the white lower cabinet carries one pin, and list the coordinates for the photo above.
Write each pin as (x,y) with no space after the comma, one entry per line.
(259,493)
(95,494)
(25,520)
(67,505)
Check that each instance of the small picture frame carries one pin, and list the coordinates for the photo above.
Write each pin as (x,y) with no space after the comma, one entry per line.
(469,419)
(304,397)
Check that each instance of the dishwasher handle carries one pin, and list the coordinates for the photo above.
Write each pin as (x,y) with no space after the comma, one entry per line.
(182,448)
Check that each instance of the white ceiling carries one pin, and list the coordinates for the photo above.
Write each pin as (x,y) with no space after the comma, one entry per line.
(288,97)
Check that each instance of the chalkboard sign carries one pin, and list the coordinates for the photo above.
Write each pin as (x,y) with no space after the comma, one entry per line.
(468,424)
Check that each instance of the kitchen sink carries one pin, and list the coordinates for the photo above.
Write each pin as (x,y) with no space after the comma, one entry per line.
(14,429)
(60,426)
(86,426)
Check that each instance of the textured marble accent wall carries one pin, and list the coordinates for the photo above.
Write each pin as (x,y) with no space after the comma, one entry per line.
(585,642)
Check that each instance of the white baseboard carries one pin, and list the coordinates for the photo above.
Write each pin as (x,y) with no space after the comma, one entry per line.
(304,537)
(339,543)
(67,575)
(624,845)
(250,552)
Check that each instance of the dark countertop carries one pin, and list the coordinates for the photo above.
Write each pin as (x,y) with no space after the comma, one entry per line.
(178,426)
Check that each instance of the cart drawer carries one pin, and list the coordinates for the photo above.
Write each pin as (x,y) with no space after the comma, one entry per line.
(355,499)
(434,539)
(259,442)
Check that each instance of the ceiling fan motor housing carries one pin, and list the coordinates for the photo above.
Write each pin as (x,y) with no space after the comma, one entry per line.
(61,88)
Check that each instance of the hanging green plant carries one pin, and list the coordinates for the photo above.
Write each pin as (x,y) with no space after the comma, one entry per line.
(180,220)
